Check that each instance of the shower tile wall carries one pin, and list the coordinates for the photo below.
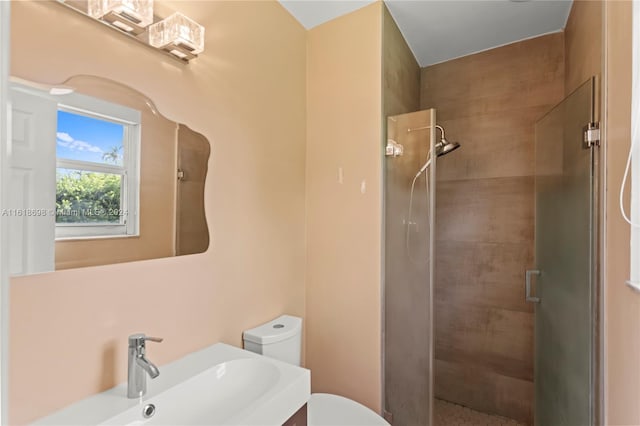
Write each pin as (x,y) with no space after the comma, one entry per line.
(485,218)
(400,71)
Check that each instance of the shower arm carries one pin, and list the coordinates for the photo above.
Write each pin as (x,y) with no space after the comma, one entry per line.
(437,126)
(428,163)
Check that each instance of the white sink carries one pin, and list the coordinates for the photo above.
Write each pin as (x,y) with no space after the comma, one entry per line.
(219,385)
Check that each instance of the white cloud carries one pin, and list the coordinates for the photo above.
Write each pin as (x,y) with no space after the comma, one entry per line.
(65,137)
(67,141)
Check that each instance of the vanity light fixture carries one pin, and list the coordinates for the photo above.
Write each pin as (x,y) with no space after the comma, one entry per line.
(131,16)
(178,35)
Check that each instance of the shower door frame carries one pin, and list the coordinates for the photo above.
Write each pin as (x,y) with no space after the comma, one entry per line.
(432,263)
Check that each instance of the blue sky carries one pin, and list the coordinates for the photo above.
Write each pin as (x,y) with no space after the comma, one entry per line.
(84,138)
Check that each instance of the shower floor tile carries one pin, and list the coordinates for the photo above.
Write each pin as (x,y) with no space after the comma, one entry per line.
(449,414)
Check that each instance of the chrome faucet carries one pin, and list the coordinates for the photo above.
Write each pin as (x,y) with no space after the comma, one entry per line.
(139,365)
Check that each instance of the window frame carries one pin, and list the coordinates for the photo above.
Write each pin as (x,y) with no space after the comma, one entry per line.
(131,121)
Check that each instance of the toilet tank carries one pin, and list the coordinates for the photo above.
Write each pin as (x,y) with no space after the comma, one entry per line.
(280,339)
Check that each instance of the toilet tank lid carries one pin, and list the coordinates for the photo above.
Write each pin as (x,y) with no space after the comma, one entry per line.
(279,329)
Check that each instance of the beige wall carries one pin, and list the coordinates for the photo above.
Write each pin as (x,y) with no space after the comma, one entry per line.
(157,181)
(246,94)
(489,102)
(343,224)
(622,305)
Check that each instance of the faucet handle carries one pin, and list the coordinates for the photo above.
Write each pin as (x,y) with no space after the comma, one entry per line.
(139,339)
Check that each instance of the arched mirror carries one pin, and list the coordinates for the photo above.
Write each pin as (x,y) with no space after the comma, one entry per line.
(99,176)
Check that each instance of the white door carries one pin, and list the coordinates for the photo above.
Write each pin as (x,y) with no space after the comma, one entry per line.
(32,182)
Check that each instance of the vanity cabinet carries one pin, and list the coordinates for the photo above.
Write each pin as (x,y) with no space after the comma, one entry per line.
(299,418)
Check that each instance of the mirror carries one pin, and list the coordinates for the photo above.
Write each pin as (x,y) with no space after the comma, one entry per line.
(99,176)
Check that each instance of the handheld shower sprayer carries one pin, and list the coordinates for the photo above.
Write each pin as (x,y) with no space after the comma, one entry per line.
(443,147)
(423,168)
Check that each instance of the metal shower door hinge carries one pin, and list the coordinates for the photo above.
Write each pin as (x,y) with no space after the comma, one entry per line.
(591,135)
(393,149)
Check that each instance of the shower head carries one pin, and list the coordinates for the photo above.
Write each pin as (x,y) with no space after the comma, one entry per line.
(442,148)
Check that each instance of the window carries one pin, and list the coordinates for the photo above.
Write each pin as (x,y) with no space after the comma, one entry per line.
(97,146)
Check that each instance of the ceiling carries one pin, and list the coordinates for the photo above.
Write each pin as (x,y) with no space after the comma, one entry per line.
(440,30)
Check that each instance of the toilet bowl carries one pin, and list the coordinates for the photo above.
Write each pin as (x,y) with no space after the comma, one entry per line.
(282,339)
(324,409)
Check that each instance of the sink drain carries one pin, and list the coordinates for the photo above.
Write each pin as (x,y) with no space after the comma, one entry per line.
(148,411)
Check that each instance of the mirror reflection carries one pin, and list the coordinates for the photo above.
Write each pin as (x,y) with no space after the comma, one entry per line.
(99,176)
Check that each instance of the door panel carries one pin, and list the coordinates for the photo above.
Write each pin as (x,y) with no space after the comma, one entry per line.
(32,199)
(564,253)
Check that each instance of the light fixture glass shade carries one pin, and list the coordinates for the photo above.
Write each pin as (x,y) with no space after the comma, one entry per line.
(178,34)
(138,12)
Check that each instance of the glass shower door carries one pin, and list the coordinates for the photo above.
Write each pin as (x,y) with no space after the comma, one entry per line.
(564,248)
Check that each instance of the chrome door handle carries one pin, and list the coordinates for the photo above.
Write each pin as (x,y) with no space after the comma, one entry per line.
(527,286)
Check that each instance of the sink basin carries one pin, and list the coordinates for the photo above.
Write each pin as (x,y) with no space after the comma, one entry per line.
(220,385)
(213,397)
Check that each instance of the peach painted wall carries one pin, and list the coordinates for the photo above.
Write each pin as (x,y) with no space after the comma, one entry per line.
(246,94)
(344,225)
(622,305)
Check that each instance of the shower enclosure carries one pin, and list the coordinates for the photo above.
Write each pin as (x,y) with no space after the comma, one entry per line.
(562,286)
(409,267)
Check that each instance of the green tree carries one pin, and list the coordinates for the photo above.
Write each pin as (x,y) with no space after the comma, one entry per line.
(113,155)
(87,197)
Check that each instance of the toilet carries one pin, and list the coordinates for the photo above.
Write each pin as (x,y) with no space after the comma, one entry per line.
(282,339)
